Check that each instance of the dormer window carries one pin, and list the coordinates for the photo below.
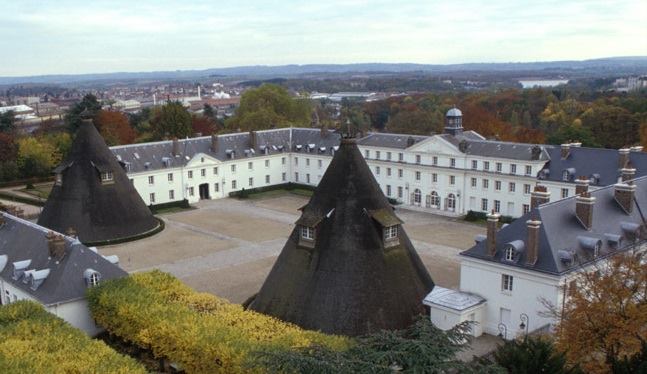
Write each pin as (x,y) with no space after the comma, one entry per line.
(389,224)
(391,233)
(509,254)
(513,249)
(92,277)
(307,233)
(106,177)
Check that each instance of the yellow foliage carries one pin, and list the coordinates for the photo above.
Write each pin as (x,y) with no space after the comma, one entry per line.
(201,332)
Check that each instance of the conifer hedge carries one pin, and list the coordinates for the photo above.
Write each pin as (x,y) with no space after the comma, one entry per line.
(202,333)
(33,340)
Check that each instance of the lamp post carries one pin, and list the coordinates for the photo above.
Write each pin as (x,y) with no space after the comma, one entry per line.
(503,331)
(525,324)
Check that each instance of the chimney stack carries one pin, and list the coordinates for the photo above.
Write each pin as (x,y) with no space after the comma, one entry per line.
(581,185)
(252,139)
(71,232)
(539,196)
(624,195)
(533,227)
(492,221)
(623,157)
(566,150)
(56,244)
(176,147)
(214,143)
(584,204)
(627,174)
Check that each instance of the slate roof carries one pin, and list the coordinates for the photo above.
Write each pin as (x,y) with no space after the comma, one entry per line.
(588,161)
(22,240)
(150,156)
(97,211)
(347,282)
(452,299)
(561,232)
(399,141)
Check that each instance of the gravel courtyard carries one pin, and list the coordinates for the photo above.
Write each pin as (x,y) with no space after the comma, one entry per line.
(227,247)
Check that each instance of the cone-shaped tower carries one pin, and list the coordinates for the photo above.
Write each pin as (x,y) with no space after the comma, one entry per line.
(348,266)
(93,196)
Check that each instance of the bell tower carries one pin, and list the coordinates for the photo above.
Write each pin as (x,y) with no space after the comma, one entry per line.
(454,122)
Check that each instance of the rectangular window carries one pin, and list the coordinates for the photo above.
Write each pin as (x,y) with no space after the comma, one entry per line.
(528,170)
(486,165)
(400,173)
(434,160)
(452,162)
(308,178)
(308,233)
(417,159)
(390,232)
(400,192)
(296,161)
(512,187)
(473,182)
(526,208)
(215,170)
(474,164)
(267,179)
(484,205)
(400,157)
(497,206)
(377,155)
(319,164)
(417,175)
(377,170)
(388,190)
(307,162)
(152,198)
(233,168)
(233,184)
(388,156)
(171,195)
(267,163)
(506,282)
(203,172)
(191,191)
(367,154)
(296,177)
(564,193)
(190,174)
(513,168)
(499,167)
(250,165)
(452,180)
(388,172)
(486,184)
(106,176)
(216,187)
(497,185)
(283,177)
(526,189)
(434,177)
(282,160)
(170,177)
(151,180)
(250,183)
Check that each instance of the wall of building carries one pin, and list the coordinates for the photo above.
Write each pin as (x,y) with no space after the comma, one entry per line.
(76,313)
(445,318)
(529,289)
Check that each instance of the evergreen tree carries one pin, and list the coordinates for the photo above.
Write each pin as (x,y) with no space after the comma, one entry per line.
(171,120)
(89,103)
(532,356)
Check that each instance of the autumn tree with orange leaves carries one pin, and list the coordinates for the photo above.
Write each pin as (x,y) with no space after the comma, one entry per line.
(114,127)
(603,324)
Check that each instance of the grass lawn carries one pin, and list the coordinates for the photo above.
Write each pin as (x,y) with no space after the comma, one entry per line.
(279,192)
(39,191)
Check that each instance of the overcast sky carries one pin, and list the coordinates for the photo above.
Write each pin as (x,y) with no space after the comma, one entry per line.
(66,36)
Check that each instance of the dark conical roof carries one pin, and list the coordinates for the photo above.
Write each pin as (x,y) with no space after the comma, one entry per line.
(347,282)
(97,211)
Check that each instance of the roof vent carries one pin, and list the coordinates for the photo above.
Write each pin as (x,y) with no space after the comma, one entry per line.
(614,240)
(566,256)
(36,278)
(19,268)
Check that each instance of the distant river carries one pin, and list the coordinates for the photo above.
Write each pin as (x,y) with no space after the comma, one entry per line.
(542,82)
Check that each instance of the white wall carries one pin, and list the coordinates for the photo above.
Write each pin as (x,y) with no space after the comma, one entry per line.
(77,314)
(445,318)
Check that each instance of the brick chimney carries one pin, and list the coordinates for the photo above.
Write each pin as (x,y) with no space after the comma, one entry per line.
(566,150)
(581,185)
(623,157)
(539,196)
(71,232)
(252,139)
(214,143)
(624,195)
(584,204)
(176,147)
(56,244)
(492,222)
(532,244)
(627,174)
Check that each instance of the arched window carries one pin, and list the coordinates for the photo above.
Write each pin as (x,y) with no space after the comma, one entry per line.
(435,199)
(565,175)
(417,197)
(451,202)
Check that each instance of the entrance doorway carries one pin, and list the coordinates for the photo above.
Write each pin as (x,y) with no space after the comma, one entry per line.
(204,191)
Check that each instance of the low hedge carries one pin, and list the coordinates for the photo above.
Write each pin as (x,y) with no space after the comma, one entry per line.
(21,199)
(200,332)
(183,204)
(244,193)
(473,216)
(35,341)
